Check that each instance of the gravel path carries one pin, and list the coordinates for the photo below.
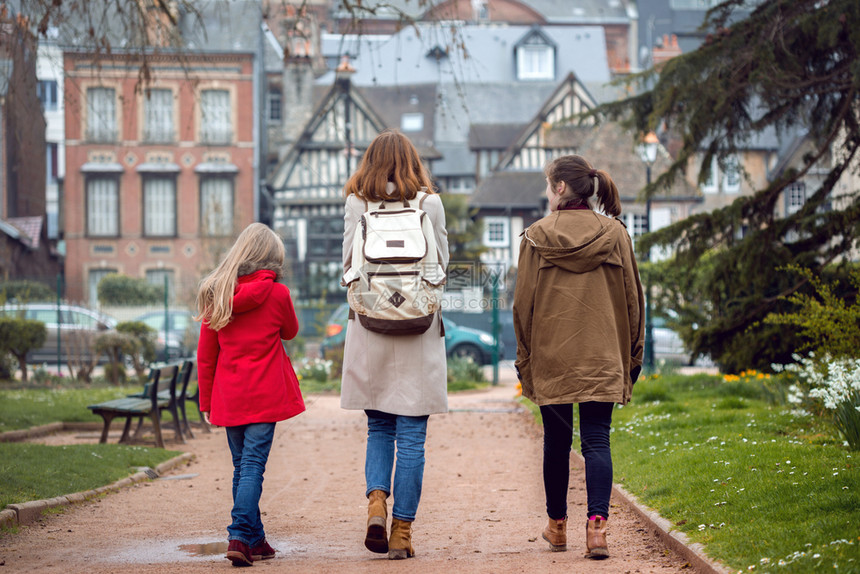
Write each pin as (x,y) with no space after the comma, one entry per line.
(482,509)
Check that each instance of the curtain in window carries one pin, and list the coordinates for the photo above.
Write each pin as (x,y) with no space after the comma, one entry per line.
(215,116)
(101,114)
(158,107)
(216,209)
(159,208)
(102,207)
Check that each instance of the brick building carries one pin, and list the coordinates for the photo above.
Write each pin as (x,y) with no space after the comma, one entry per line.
(160,175)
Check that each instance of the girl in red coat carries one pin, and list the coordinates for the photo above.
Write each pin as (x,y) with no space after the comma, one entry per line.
(247,383)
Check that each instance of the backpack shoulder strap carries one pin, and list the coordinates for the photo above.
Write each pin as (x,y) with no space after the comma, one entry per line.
(421,196)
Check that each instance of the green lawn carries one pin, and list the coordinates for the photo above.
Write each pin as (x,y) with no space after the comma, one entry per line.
(35,472)
(24,408)
(756,484)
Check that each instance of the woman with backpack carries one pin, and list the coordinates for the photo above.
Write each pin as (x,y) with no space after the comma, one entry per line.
(398,380)
(579,321)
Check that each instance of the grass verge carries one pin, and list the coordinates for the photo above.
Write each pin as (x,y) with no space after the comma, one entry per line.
(762,488)
(35,472)
(25,408)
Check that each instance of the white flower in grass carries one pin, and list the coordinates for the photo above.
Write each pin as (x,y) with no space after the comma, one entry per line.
(764,561)
(702,527)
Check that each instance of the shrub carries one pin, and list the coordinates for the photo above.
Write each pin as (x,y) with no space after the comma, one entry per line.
(116,289)
(24,291)
(7,366)
(335,356)
(314,370)
(827,322)
(464,369)
(144,351)
(116,345)
(19,336)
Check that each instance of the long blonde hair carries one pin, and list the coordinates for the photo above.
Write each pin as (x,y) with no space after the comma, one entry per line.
(256,248)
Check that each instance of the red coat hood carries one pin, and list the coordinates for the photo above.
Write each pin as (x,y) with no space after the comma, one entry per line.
(252,290)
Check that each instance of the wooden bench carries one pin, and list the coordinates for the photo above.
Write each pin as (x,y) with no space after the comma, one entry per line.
(159,394)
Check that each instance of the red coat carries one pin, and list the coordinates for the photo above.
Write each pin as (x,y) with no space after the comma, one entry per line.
(244,373)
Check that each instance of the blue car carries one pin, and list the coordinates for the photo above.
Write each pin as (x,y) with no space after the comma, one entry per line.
(463,342)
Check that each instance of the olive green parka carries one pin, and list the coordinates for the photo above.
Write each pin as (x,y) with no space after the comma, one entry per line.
(578,310)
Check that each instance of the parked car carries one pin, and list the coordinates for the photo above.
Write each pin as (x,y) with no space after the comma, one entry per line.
(459,341)
(76,328)
(176,338)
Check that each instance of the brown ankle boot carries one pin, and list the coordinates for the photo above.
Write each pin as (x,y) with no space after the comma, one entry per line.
(376,539)
(556,534)
(400,543)
(595,538)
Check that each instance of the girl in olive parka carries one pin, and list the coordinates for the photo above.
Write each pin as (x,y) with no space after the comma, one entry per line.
(579,321)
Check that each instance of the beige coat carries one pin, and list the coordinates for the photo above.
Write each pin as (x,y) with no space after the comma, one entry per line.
(401,375)
(578,310)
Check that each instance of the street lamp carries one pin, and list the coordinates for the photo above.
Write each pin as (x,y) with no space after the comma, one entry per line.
(648,154)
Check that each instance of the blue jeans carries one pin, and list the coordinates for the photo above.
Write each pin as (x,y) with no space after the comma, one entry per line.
(250,446)
(595,420)
(384,430)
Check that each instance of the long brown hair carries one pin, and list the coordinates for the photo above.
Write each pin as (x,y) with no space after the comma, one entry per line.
(580,176)
(390,157)
(257,247)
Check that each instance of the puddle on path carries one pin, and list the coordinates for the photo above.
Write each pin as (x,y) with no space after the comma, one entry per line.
(206,549)
(185,550)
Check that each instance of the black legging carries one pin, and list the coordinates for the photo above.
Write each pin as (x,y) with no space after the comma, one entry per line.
(594,422)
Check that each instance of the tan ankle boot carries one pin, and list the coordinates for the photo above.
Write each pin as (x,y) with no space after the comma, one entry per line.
(556,534)
(595,538)
(376,539)
(400,543)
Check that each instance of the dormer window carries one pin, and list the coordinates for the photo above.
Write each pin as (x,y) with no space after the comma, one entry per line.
(535,55)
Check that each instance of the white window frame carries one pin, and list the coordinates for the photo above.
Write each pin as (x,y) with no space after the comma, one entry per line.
(731,176)
(535,62)
(412,122)
(102,193)
(158,116)
(47,93)
(93,278)
(216,126)
(216,191)
(274,103)
(463,184)
(497,231)
(159,206)
(795,197)
(710,184)
(101,114)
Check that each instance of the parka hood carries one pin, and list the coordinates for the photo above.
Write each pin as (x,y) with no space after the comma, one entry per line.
(252,290)
(576,240)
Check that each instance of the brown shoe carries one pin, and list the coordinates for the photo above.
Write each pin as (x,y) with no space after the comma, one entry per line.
(556,534)
(376,539)
(400,543)
(262,551)
(595,538)
(239,554)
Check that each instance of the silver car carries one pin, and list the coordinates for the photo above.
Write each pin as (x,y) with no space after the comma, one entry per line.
(72,326)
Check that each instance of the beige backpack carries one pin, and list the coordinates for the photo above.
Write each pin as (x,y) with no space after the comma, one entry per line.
(395,283)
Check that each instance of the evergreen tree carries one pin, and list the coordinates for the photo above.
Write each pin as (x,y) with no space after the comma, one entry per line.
(790,64)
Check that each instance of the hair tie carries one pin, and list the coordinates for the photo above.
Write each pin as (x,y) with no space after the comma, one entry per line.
(593,173)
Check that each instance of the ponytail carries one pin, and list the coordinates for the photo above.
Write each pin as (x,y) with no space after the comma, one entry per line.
(582,181)
(607,194)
